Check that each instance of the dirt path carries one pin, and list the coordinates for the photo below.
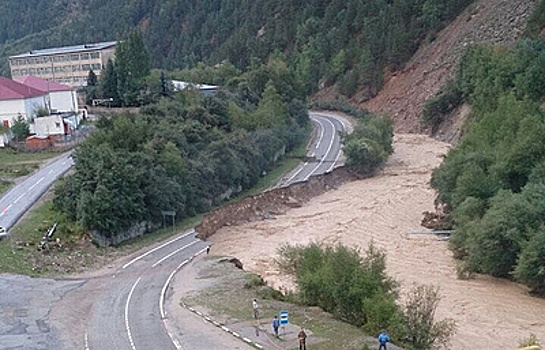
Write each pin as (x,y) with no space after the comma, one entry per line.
(491,314)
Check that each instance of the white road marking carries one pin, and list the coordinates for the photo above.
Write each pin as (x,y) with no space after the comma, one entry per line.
(326,153)
(175,252)
(129,334)
(162,299)
(157,248)
(322,131)
(7,208)
(18,199)
(297,173)
(86,339)
(335,162)
(164,290)
(36,184)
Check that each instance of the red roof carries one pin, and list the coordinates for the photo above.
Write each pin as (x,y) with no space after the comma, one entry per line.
(12,90)
(41,84)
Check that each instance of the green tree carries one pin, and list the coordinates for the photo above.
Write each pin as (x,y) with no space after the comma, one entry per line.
(20,128)
(271,111)
(108,83)
(132,65)
(91,92)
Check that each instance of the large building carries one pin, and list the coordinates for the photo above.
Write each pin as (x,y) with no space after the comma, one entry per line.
(66,65)
(18,99)
(60,98)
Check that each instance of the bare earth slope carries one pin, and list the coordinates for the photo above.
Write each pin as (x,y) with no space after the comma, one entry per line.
(486,21)
(491,313)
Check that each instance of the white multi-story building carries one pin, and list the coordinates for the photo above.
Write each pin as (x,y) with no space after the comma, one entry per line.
(66,65)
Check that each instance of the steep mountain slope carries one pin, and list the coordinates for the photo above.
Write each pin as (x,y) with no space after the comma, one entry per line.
(324,41)
(405,93)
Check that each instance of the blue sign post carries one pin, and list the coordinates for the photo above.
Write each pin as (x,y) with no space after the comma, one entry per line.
(284,320)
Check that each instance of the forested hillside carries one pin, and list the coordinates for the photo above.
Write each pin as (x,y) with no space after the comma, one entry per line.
(493,183)
(325,40)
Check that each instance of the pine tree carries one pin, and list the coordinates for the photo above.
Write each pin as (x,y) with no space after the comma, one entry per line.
(91,89)
(132,65)
(109,82)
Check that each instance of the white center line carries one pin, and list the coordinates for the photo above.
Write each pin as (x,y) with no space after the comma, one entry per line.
(175,252)
(129,334)
(322,131)
(297,173)
(326,153)
(18,198)
(157,248)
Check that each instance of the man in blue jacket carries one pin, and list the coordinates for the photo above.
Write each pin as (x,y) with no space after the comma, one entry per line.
(383,338)
(276,324)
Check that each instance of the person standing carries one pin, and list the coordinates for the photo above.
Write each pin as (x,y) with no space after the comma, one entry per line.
(255,307)
(302,336)
(383,338)
(275,325)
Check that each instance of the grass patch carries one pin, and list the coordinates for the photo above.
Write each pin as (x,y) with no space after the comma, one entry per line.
(228,298)
(4,186)
(14,164)
(74,251)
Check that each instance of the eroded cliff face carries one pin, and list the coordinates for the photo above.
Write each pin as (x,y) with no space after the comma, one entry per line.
(496,22)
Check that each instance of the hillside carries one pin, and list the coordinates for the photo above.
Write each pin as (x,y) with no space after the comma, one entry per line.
(484,22)
(350,42)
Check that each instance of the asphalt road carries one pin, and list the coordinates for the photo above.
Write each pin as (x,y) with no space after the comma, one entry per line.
(20,198)
(326,149)
(129,314)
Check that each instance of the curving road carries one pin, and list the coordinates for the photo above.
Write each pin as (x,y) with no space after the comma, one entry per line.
(20,198)
(127,311)
(129,314)
(325,149)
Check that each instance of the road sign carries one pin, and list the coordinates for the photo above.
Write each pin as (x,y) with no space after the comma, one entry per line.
(284,318)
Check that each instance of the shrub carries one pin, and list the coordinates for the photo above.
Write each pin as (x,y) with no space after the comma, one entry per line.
(438,107)
(355,289)
(253,280)
(530,268)
(421,330)
(369,146)
(530,341)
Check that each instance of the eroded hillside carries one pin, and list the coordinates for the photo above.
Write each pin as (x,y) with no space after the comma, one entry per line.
(405,93)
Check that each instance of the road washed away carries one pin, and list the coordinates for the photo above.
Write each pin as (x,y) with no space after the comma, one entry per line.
(490,313)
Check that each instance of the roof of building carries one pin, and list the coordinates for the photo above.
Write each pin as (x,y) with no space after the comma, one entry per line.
(41,84)
(12,90)
(67,49)
(182,85)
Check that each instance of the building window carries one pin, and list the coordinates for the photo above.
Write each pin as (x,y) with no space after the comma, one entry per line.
(86,67)
(84,56)
(32,71)
(96,66)
(74,57)
(76,68)
(95,55)
(24,72)
(15,72)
